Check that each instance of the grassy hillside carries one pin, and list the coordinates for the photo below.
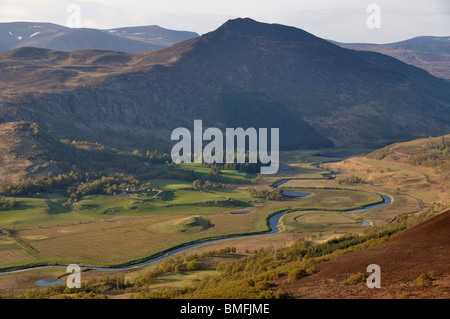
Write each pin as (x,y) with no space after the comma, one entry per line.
(119,228)
(433,152)
(245,73)
(429,53)
(419,168)
(21,153)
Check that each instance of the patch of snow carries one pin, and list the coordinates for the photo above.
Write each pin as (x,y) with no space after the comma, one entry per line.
(139,33)
(19,37)
(112,31)
(36,33)
(10,33)
(38,26)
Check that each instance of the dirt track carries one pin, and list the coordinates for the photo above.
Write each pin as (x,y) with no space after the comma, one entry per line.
(420,249)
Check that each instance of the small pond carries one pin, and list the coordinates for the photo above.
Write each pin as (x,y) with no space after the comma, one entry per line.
(48,282)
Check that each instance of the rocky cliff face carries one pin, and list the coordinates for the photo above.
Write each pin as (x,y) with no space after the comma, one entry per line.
(245,74)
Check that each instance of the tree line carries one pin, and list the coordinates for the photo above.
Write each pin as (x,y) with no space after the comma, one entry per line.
(7,203)
(73,184)
(269,194)
(246,167)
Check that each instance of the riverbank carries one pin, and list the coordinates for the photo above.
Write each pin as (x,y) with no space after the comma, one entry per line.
(272,222)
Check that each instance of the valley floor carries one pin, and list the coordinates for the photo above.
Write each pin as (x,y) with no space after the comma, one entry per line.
(112,231)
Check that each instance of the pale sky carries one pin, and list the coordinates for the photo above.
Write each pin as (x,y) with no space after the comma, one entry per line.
(344,21)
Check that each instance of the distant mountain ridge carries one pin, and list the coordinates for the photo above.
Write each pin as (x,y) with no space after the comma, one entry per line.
(427,52)
(56,37)
(244,74)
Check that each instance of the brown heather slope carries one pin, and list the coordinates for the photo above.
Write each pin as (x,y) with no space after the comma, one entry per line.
(419,168)
(244,74)
(43,71)
(420,249)
(20,153)
(427,52)
(435,63)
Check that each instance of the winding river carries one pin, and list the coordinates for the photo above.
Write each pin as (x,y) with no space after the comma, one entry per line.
(273,222)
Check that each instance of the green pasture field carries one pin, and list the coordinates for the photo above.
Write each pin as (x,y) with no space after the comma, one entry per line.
(230,175)
(120,240)
(179,198)
(34,212)
(333,199)
(325,223)
(314,156)
(101,230)
(170,184)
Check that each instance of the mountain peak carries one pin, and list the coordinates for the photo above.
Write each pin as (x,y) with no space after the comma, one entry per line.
(247,27)
(244,74)
(246,21)
(248,24)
